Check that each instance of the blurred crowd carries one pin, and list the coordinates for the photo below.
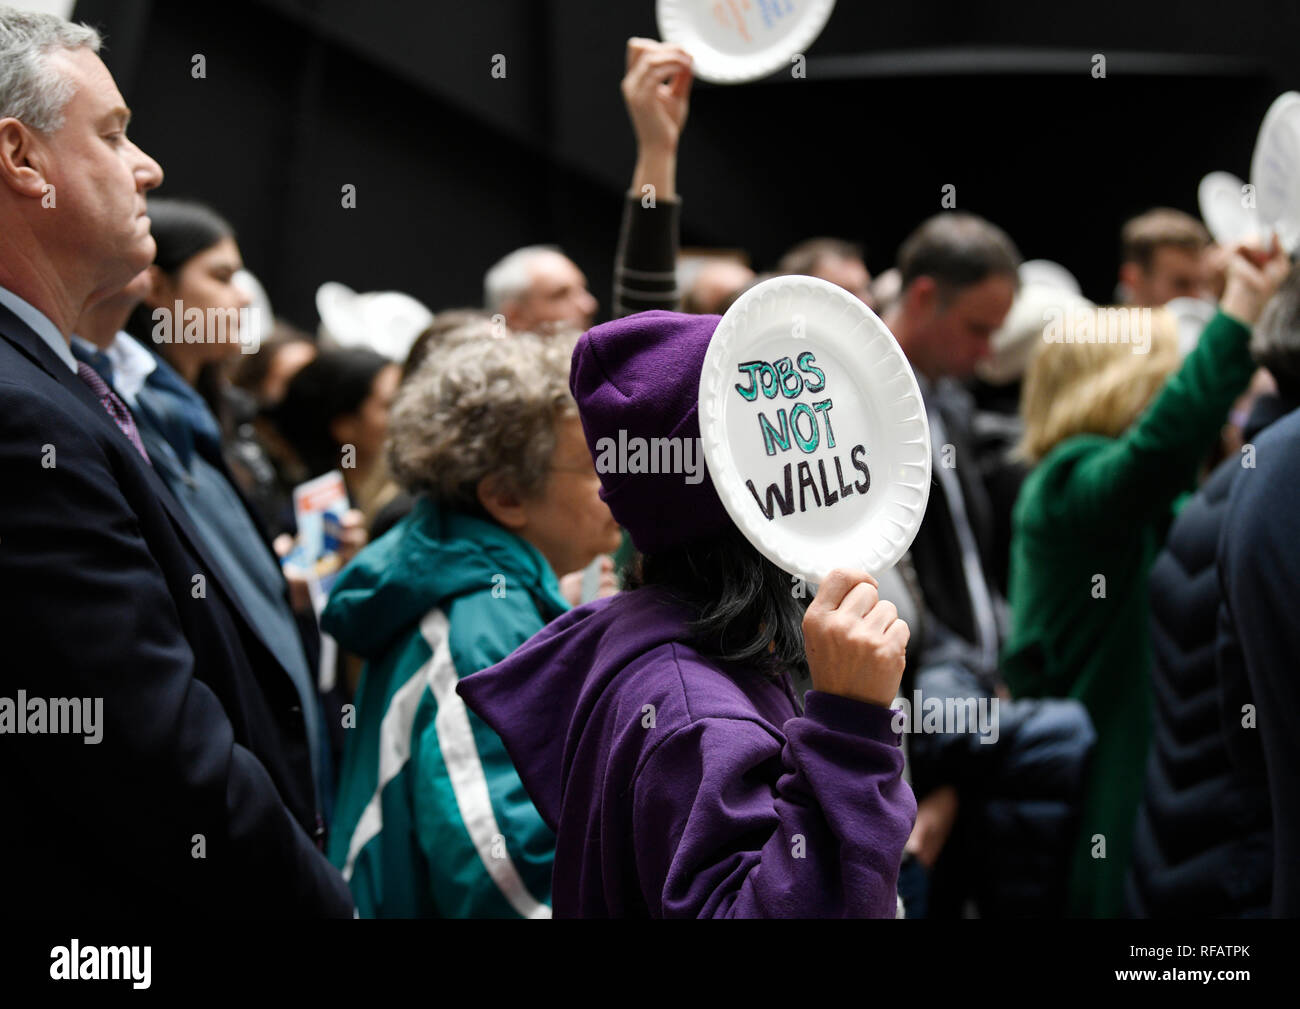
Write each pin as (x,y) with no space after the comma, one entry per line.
(533,687)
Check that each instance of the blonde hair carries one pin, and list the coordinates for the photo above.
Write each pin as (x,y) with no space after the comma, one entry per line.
(1091,378)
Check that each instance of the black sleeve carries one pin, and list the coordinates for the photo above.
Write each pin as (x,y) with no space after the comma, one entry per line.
(645,265)
(88,613)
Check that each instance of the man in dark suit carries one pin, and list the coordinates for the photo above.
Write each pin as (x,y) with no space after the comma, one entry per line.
(197,797)
(1259,637)
(959,280)
(959,276)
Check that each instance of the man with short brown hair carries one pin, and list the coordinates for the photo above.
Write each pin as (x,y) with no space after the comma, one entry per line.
(831,259)
(1162,257)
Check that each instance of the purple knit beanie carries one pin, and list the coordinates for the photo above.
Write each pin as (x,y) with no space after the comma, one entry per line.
(637,379)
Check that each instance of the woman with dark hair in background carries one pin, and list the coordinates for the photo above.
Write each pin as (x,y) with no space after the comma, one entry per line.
(335,416)
(266,375)
(259,456)
(192,314)
(658,731)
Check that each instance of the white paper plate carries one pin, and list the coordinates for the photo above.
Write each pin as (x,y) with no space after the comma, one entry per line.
(1275,170)
(876,419)
(1224,211)
(732,41)
(384,321)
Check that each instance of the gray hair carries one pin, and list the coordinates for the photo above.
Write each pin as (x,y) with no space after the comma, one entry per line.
(32,91)
(1275,342)
(510,277)
(481,408)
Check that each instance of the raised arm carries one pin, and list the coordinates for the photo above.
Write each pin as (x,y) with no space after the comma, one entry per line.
(656,89)
(1149,465)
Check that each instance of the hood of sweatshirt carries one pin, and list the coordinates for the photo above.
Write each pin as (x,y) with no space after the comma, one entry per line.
(429,558)
(536,696)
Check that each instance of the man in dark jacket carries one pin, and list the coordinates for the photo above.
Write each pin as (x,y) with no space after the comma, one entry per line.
(959,279)
(155,757)
(1204,840)
(1259,637)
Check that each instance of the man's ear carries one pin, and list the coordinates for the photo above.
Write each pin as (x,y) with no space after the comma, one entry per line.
(17,170)
(1131,278)
(922,297)
(503,504)
(512,310)
(161,291)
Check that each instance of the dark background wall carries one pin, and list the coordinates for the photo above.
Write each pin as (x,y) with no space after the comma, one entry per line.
(453,168)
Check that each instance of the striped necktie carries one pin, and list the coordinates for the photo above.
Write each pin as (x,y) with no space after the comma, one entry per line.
(112,405)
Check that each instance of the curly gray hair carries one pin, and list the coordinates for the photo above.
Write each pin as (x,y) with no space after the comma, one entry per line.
(32,91)
(481,408)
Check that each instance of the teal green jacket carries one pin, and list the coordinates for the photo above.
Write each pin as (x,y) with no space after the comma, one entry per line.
(431,819)
(1086,529)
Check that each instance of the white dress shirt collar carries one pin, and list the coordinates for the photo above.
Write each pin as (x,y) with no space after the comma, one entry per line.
(40,324)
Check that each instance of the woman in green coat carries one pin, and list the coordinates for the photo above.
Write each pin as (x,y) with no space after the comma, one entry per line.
(1116,439)
(432,819)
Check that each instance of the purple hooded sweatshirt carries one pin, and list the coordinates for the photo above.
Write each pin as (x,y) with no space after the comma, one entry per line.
(678,790)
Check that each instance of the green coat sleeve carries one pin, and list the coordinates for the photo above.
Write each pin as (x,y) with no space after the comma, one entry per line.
(1143,471)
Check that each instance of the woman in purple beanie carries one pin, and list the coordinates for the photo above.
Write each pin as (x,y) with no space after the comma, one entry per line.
(657,731)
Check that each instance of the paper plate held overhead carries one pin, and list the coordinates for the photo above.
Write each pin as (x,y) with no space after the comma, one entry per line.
(814,430)
(732,41)
(1275,170)
(1226,209)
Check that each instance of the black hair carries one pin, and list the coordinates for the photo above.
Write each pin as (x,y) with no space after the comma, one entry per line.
(252,370)
(333,385)
(750,611)
(182,229)
(958,250)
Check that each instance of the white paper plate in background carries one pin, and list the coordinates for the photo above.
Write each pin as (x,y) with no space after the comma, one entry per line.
(1224,209)
(1275,170)
(732,41)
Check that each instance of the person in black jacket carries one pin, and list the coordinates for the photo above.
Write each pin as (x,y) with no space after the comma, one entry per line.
(193,795)
(1259,636)
(1203,845)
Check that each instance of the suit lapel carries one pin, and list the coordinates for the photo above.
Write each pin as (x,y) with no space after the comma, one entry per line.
(30,344)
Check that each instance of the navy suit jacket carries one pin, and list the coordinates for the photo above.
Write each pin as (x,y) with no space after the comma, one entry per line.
(198,800)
